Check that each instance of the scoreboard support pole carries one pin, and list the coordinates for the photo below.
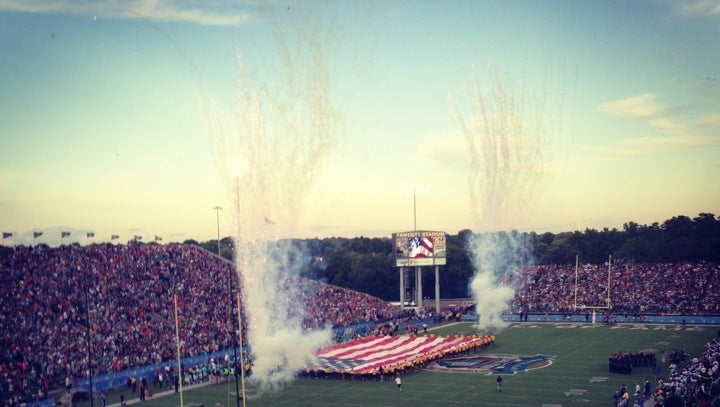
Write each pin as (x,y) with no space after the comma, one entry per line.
(437,289)
(418,288)
(402,286)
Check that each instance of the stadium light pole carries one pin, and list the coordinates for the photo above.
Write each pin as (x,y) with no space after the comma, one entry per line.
(418,269)
(217,210)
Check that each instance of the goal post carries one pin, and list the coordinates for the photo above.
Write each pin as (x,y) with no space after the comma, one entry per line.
(593,307)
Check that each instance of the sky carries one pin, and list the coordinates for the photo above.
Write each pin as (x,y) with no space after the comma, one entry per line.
(107,113)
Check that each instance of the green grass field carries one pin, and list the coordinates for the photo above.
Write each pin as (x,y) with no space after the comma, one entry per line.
(578,375)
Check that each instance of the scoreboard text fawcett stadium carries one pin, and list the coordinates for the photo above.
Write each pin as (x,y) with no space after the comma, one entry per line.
(419,248)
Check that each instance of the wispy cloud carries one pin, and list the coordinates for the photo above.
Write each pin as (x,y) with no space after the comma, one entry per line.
(643,106)
(670,133)
(656,143)
(197,12)
(693,8)
(709,121)
(651,144)
(667,125)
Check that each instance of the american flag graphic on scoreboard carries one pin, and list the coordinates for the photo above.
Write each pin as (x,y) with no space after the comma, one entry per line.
(421,247)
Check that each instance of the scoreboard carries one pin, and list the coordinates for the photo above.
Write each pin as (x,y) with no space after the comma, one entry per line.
(420,248)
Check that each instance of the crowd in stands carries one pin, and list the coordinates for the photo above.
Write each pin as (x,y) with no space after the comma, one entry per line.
(125,291)
(659,288)
(127,294)
(55,302)
(342,307)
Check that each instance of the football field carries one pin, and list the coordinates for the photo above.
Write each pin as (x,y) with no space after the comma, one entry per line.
(571,371)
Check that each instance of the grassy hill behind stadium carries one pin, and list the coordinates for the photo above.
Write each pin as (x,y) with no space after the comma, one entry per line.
(577,376)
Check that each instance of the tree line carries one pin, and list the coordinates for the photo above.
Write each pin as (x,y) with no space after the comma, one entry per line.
(368,264)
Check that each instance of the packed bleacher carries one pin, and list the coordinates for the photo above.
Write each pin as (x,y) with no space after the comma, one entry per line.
(129,292)
(659,288)
(126,293)
(341,307)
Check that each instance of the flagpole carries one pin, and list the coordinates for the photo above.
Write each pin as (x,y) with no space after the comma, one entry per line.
(217,210)
(242,361)
(608,284)
(89,341)
(237,256)
(418,273)
(414,212)
(577,259)
(177,343)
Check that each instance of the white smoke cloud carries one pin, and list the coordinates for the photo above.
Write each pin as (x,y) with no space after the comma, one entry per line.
(505,134)
(269,152)
(271,300)
(493,254)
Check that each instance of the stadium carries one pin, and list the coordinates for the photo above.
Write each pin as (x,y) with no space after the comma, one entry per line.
(320,118)
(140,311)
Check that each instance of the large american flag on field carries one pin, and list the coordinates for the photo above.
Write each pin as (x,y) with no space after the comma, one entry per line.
(364,355)
(421,247)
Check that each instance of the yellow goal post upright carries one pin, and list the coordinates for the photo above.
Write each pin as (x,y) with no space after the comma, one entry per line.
(594,308)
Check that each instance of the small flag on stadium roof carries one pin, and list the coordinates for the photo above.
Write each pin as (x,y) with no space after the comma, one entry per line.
(269,221)
(90,234)
(113,237)
(64,234)
(158,238)
(6,235)
(37,234)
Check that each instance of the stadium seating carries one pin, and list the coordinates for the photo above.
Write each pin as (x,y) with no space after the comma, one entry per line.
(55,301)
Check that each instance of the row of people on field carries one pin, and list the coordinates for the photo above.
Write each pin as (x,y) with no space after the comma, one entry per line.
(623,362)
